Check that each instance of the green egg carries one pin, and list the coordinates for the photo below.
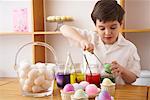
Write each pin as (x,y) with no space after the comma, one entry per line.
(107,68)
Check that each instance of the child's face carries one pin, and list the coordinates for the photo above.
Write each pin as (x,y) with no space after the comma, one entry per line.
(108,31)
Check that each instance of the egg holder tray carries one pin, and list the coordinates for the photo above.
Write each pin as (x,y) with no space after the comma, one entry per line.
(30,86)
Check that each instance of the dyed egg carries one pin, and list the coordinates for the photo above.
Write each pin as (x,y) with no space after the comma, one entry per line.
(68,88)
(37,89)
(80,94)
(39,80)
(104,95)
(91,89)
(77,86)
(84,84)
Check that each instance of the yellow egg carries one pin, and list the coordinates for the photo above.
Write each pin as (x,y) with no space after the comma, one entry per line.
(39,80)
(51,18)
(69,18)
(57,18)
(63,18)
(37,89)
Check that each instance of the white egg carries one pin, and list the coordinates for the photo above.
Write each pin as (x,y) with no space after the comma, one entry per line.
(27,88)
(23,74)
(42,71)
(29,82)
(33,73)
(39,80)
(37,89)
(50,66)
(21,80)
(49,75)
(24,65)
(40,65)
(46,84)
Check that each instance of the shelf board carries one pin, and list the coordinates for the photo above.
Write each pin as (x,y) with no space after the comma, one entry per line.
(135,30)
(27,33)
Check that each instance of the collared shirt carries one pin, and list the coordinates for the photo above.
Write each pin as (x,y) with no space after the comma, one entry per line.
(122,51)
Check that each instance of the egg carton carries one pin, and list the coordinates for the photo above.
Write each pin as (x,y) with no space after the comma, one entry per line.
(36,80)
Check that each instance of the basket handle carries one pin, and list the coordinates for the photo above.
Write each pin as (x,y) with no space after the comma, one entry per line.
(36,43)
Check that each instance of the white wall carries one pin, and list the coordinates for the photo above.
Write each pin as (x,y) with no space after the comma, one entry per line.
(81,12)
(9,44)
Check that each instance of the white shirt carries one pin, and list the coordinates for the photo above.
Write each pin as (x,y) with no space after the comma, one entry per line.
(122,51)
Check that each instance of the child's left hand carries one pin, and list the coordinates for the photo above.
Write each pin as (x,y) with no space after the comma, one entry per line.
(116,68)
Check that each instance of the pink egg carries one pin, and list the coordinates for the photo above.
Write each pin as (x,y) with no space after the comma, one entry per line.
(91,89)
(68,88)
(84,84)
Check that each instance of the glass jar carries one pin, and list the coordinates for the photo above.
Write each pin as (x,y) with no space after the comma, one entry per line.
(62,74)
(93,74)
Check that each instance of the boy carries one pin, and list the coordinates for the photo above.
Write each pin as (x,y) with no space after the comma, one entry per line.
(107,43)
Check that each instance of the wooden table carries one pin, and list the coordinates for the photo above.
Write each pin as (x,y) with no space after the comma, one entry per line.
(9,90)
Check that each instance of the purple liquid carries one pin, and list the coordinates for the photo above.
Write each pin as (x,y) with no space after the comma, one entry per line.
(62,79)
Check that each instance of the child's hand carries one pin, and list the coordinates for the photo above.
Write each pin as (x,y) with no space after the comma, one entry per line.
(86,45)
(116,68)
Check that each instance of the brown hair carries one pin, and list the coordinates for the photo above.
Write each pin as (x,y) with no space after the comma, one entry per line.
(107,10)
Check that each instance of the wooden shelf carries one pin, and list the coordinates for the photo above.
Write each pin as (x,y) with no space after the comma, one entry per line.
(28,33)
(136,30)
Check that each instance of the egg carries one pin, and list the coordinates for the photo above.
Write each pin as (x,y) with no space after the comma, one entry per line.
(23,74)
(33,73)
(49,75)
(84,84)
(42,71)
(39,80)
(77,86)
(63,18)
(29,82)
(69,18)
(37,89)
(27,88)
(21,80)
(46,84)
(24,65)
(40,65)
(51,18)
(91,89)
(57,18)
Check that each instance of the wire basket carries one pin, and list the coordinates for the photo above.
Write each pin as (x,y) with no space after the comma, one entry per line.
(36,80)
